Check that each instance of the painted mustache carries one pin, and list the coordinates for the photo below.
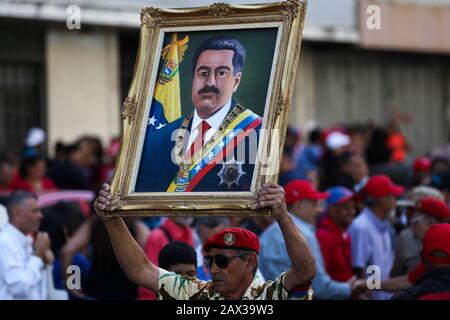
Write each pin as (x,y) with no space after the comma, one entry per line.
(208,90)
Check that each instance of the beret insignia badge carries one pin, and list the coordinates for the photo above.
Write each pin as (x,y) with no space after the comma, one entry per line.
(229,239)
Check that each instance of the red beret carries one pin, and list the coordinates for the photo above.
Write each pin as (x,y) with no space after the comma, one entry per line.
(233,238)
(434,207)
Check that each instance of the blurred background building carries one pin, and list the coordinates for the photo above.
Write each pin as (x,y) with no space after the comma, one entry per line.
(72,82)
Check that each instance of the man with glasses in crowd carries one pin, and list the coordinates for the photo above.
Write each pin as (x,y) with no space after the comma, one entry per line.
(231,256)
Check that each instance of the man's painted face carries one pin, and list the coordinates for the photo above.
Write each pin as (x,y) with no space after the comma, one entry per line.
(214,81)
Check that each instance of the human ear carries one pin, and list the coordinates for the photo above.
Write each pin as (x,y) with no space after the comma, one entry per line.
(251,262)
(237,81)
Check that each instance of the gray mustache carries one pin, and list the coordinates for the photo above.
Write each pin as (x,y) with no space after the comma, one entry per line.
(217,278)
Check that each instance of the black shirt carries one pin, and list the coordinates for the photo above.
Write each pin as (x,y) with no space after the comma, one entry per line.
(433,281)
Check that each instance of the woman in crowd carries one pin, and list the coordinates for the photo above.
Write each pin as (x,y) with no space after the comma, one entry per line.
(32,176)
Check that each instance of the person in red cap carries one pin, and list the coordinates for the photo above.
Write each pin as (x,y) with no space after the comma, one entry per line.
(422,171)
(435,283)
(409,242)
(304,204)
(428,211)
(334,240)
(372,232)
(231,255)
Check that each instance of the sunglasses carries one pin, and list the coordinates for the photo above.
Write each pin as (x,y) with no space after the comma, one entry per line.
(222,261)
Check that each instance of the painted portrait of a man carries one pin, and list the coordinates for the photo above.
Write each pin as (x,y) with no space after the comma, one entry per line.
(213,147)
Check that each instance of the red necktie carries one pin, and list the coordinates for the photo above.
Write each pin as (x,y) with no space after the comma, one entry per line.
(199,141)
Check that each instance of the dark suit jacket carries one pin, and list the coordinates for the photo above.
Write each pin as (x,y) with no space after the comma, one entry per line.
(157,170)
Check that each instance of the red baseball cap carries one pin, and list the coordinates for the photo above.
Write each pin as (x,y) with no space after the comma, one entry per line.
(422,164)
(233,238)
(297,190)
(437,238)
(381,186)
(434,207)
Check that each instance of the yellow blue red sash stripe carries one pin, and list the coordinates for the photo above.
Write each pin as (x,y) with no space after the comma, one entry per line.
(234,130)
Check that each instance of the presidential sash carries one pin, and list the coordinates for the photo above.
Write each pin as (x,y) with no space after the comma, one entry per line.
(238,124)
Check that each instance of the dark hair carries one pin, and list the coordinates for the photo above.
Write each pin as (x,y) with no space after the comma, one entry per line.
(176,252)
(222,43)
(72,148)
(95,143)
(344,159)
(103,257)
(315,136)
(439,160)
(5,159)
(27,162)
(288,152)
(60,222)
(377,151)
(60,149)
(17,198)
(8,157)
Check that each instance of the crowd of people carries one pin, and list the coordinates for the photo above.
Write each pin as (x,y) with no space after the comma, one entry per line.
(374,220)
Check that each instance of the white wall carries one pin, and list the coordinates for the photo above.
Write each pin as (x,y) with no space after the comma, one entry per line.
(83,85)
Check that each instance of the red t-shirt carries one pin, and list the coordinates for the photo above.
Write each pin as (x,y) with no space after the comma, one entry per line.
(436,296)
(335,246)
(18,183)
(416,273)
(157,240)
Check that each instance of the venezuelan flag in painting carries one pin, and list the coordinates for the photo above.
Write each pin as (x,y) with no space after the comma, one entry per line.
(166,105)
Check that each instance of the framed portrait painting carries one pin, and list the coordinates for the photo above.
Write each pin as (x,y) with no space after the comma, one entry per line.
(206,113)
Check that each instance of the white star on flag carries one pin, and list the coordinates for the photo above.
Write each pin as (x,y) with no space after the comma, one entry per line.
(231,134)
(221,144)
(151,121)
(210,155)
(197,167)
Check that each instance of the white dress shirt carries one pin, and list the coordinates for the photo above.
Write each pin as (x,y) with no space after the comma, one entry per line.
(22,274)
(214,122)
(3,217)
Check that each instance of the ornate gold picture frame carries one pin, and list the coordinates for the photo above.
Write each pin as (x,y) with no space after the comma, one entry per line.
(164,92)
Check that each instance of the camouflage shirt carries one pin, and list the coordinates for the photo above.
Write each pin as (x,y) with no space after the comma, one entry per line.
(173,286)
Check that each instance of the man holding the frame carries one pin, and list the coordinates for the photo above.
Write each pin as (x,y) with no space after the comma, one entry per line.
(220,152)
(232,256)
